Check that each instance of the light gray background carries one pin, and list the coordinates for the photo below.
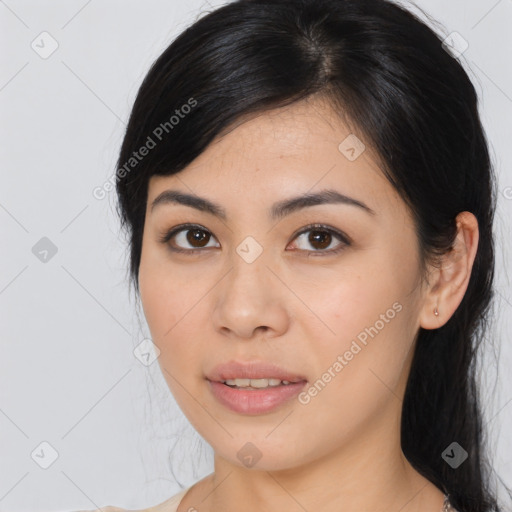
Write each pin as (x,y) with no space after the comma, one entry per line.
(68,375)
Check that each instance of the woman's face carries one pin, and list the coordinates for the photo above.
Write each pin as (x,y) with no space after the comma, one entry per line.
(337,306)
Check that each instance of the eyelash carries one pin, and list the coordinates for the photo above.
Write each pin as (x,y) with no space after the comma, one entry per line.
(344,239)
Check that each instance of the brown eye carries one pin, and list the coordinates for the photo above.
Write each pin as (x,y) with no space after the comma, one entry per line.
(198,237)
(189,238)
(320,239)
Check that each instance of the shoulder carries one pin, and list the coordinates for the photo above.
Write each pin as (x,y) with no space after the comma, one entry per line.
(169,505)
(104,509)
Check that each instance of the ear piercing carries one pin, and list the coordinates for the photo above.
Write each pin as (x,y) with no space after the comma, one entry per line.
(436,312)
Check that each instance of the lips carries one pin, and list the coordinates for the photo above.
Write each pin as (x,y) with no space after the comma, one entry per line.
(252,370)
(254,400)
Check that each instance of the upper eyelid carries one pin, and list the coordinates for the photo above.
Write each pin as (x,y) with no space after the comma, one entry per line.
(340,234)
(186,227)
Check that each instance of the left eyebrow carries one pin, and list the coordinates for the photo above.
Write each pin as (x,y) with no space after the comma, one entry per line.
(278,210)
(283,208)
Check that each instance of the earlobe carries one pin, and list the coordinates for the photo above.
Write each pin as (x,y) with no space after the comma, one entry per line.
(446,292)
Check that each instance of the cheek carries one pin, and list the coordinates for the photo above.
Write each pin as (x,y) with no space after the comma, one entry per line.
(167,305)
(370,315)
(346,301)
(359,374)
(174,304)
(168,294)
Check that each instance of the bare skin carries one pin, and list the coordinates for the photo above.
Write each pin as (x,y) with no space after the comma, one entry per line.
(300,306)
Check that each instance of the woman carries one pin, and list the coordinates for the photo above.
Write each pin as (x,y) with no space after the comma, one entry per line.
(308,194)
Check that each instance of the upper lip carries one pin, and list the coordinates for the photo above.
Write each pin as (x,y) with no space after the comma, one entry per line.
(251,370)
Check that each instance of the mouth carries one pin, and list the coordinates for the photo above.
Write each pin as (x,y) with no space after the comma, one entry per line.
(255,387)
(252,373)
(256,383)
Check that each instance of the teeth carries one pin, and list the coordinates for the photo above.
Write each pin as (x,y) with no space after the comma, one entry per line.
(255,383)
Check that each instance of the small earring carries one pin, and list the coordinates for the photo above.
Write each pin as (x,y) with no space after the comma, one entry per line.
(436,312)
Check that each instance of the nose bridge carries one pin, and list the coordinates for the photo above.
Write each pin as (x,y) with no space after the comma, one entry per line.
(248,297)
(249,274)
(250,250)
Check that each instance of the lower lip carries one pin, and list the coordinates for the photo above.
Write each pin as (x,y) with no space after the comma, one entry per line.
(255,401)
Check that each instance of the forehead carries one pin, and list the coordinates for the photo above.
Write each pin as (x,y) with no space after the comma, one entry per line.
(270,155)
(301,130)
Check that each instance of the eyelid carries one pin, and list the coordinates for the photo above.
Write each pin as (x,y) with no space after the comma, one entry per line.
(345,240)
(168,234)
(342,236)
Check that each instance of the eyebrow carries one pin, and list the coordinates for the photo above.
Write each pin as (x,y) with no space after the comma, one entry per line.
(278,210)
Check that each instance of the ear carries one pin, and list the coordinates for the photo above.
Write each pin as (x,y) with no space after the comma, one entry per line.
(449,282)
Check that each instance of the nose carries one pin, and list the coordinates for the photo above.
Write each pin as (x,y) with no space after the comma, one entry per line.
(250,299)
